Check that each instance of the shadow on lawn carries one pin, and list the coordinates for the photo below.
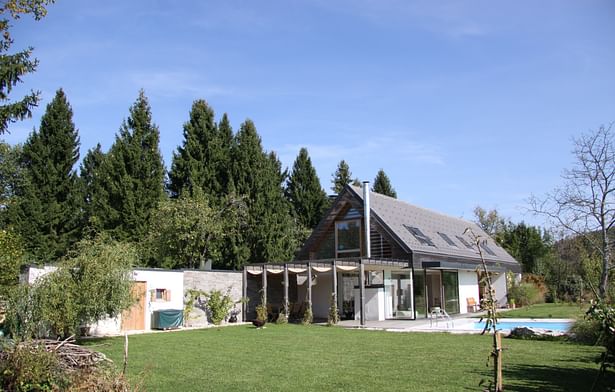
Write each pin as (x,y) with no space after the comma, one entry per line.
(553,378)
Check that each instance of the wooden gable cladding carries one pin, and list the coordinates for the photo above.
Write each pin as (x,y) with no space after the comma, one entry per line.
(321,243)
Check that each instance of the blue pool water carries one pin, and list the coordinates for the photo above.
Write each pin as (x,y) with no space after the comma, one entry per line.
(563,326)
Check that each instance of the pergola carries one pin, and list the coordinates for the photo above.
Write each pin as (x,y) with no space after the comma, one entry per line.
(320,266)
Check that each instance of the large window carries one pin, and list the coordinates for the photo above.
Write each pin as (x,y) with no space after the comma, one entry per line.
(348,238)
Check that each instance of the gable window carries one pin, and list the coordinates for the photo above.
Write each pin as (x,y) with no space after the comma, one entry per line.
(348,238)
(447,239)
(464,242)
(418,234)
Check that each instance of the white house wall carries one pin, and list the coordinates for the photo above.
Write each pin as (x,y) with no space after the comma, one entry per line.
(498,281)
(468,288)
(172,281)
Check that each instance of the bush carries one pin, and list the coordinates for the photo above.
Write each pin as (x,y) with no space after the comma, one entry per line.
(525,293)
(586,331)
(219,306)
(308,317)
(23,368)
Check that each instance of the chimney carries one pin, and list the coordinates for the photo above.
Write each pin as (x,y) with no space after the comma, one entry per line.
(366,214)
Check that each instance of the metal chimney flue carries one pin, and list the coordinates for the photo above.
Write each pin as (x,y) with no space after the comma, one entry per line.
(366,215)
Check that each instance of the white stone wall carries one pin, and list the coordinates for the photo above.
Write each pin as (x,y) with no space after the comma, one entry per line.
(33,273)
(468,288)
(213,280)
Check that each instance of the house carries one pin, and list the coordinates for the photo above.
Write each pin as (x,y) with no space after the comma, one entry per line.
(411,260)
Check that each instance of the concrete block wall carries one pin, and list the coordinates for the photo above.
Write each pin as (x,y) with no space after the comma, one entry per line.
(208,281)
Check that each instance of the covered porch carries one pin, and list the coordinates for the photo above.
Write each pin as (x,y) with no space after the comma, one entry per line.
(365,289)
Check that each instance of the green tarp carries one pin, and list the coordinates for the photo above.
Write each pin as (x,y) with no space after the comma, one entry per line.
(167,318)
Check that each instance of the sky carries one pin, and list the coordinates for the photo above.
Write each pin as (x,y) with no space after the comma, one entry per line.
(462,103)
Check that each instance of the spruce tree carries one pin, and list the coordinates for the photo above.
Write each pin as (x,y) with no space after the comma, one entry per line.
(49,210)
(194,162)
(304,192)
(94,194)
(223,162)
(382,185)
(258,178)
(132,176)
(341,177)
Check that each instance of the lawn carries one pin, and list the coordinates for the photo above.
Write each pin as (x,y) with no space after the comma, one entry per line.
(560,310)
(316,358)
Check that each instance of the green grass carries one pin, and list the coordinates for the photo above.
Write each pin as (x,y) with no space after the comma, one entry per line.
(560,310)
(315,358)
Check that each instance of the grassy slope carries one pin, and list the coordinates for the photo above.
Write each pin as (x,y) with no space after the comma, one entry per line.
(293,357)
(561,310)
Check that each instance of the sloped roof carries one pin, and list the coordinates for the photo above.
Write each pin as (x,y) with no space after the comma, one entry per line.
(399,217)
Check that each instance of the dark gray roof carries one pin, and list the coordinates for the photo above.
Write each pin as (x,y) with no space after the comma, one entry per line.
(395,215)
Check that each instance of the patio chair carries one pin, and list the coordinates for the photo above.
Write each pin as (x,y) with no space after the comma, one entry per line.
(472,305)
(438,313)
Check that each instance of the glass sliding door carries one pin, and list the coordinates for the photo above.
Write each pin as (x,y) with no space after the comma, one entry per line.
(450,283)
(420,299)
(398,294)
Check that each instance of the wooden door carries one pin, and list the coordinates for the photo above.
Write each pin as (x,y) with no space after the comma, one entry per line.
(133,319)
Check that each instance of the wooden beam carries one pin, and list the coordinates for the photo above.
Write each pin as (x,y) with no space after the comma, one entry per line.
(265,284)
(286,290)
(362,291)
(309,282)
(244,293)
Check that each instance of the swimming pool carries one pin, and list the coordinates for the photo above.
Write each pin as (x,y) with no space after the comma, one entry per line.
(554,325)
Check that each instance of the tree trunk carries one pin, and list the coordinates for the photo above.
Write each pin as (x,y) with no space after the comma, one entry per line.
(606,256)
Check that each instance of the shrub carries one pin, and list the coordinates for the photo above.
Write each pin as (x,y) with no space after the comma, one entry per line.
(219,305)
(586,331)
(334,316)
(25,368)
(282,319)
(525,293)
(308,317)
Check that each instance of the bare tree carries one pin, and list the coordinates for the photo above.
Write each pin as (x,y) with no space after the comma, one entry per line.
(585,204)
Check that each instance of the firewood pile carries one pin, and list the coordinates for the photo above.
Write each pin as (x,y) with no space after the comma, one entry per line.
(71,356)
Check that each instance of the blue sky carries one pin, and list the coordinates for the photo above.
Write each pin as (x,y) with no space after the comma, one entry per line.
(461,103)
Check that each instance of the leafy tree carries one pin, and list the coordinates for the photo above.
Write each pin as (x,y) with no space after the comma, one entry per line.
(11,259)
(382,185)
(189,230)
(258,177)
(93,283)
(304,192)
(48,213)
(132,177)
(14,66)
(342,177)
(585,204)
(490,221)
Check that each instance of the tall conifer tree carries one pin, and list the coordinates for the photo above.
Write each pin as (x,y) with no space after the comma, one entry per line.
(258,177)
(341,177)
(382,185)
(95,196)
(304,192)
(194,162)
(132,176)
(49,210)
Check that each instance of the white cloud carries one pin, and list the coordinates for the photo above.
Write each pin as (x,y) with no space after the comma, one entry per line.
(176,83)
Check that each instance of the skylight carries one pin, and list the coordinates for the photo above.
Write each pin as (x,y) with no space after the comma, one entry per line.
(418,234)
(464,242)
(487,249)
(447,239)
